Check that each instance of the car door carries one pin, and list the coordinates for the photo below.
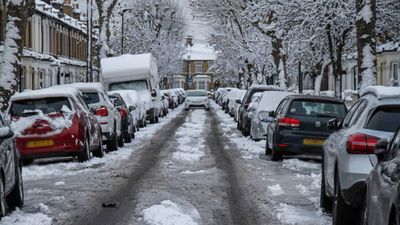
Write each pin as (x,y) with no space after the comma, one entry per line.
(90,119)
(383,184)
(7,148)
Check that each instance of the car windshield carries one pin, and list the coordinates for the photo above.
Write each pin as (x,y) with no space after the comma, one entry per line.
(138,85)
(385,119)
(317,108)
(196,93)
(91,97)
(47,106)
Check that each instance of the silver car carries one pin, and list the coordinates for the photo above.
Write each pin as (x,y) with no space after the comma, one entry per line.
(348,153)
(197,98)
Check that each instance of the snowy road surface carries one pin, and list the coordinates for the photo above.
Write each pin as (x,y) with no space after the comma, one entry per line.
(192,168)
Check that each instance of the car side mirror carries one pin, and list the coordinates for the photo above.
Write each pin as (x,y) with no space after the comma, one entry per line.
(6,133)
(238,101)
(117,103)
(334,124)
(381,148)
(154,93)
(132,108)
(271,114)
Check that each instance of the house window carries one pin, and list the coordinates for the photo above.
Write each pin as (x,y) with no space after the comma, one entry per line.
(199,67)
(394,72)
(201,85)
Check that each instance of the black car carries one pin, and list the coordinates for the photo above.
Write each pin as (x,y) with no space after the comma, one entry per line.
(127,126)
(11,185)
(382,195)
(244,122)
(300,125)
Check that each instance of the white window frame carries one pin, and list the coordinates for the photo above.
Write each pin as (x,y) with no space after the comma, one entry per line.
(394,72)
(198,67)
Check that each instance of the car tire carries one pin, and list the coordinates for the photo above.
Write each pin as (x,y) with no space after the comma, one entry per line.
(85,154)
(275,155)
(99,152)
(157,119)
(121,140)
(393,219)
(16,197)
(3,201)
(27,162)
(112,145)
(128,137)
(267,149)
(342,213)
(325,201)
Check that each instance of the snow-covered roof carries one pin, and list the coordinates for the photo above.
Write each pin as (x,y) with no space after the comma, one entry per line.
(115,68)
(131,97)
(388,47)
(52,12)
(199,52)
(270,100)
(382,92)
(83,86)
(45,93)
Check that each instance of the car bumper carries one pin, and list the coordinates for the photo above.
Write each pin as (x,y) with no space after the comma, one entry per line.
(197,105)
(293,144)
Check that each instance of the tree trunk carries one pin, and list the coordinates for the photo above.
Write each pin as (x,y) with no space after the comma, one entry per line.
(17,15)
(366,43)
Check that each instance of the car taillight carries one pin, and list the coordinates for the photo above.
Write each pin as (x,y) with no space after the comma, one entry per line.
(289,122)
(123,113)
(361,144)
(102,111)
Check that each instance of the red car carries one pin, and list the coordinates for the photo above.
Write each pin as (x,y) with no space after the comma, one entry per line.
(54,122)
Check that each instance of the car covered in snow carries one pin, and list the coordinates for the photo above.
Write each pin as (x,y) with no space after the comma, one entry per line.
(243,122)
(127,121)
(197,98)
(348,154)
(54,122)
(234,101)
(261,116)
(104,110)
(11,183)
(300,125)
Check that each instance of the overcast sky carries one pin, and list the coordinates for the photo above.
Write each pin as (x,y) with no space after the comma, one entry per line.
(195,27)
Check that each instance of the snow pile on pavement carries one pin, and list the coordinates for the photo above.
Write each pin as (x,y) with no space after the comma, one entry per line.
(298,165)
(20,218)
(191,140)
(169,213)
(296,215)
(275,190)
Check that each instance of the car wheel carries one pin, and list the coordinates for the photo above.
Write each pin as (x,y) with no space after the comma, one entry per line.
(157,119)
(275,155)
(342,213)
(85,154)
(3,202)
(99,152)
(128,137)
(325,201)
(26,162)
(121,140)
(16,197)
(393,219)
(112,144)
(267,149)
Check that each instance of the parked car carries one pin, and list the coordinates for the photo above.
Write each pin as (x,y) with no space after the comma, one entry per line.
(234,101)
(108,116)
(226,97)
(348,153)
(197,98)
(260,117)
(127,122)
(54,122)
(169,96)
(300,125)
(11,183)
(381,202)
(137,107)
(243,123)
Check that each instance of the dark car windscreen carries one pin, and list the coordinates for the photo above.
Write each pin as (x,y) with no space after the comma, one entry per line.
(317,108)
(47,106)
(91,97)
(196,93)
(385,118)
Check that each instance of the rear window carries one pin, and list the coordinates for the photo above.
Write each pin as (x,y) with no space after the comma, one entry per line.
(91,97)
(317,108)
(47,106)
(385,119)
(196,93)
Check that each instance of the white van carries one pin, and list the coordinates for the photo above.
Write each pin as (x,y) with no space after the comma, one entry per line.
(134,72)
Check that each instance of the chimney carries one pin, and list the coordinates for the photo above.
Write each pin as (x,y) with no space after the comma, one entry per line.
(76,14)
(58,4)
(189,41)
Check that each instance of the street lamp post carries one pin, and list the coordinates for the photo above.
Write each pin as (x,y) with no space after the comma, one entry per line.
(123,29)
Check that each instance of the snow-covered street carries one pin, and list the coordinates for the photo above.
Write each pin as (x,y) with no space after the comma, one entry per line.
(192,168)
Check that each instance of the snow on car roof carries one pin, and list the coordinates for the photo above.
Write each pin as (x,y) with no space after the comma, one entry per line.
(270,87)
(45,93)
(131,97)
(271,99)
(84,86)
(382,92)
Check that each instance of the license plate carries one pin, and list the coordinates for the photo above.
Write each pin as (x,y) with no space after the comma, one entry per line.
(39,144)
(313,141)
